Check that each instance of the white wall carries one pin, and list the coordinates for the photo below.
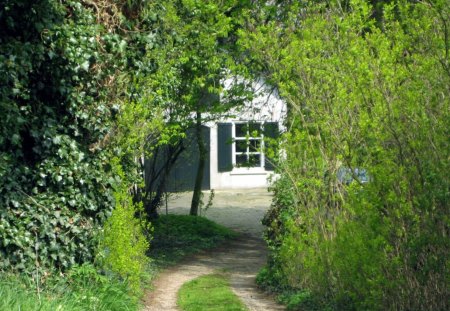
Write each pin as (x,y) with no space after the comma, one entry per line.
(266,106)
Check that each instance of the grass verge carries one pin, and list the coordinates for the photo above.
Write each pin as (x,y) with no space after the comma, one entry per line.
(209,293)
(83,289)
(176,236)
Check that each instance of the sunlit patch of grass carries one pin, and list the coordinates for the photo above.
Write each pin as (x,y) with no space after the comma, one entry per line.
(209,293)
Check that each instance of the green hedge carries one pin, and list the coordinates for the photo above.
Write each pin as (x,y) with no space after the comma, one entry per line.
(65,69)
(367,89)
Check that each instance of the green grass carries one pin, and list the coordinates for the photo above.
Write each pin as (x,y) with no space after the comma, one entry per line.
(81,290)
(176,236)
(15,295)
(209,293)
(84,289)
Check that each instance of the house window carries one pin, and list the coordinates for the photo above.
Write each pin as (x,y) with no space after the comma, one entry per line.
(248,144)
(241,144)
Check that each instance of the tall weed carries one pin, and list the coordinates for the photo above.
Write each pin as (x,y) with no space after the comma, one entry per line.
(125,244)
(82,289)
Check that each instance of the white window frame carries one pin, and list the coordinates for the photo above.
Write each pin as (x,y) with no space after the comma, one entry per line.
(234,153)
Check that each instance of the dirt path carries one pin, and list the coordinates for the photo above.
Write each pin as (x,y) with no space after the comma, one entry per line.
(241,258)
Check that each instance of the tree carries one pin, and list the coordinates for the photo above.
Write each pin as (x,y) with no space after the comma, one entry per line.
(196,58)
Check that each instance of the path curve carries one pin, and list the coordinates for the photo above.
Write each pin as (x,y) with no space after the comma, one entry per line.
(240,258)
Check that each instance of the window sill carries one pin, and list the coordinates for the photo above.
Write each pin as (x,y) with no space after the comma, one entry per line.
(249,171)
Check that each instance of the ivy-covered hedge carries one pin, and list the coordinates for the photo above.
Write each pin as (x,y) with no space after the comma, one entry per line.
(62,72)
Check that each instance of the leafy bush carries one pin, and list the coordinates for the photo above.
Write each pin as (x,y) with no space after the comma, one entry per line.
(54,188)
(65,104)
(301,300)
(125,243)
(368,89)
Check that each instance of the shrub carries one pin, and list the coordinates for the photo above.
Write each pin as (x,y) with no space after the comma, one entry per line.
(54,189)
(65,95)
(125,243)
(368,91)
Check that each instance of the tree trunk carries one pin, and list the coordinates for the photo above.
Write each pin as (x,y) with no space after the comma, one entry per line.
(196,197)
(154,193)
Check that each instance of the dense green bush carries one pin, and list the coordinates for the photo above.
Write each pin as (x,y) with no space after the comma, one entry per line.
(65,69)
(54,189)
(367,89)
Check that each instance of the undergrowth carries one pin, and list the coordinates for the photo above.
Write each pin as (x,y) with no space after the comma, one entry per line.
(82,289)
(294,299)
(360,217)
(176,236)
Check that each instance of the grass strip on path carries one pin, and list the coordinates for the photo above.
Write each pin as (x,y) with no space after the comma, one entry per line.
(209,293)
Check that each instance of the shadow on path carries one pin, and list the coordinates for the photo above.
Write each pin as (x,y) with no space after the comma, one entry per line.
(240,258)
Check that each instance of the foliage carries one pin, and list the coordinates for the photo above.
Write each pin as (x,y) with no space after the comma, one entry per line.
(367,89)
(83,289)
(65,100)
(125,244)
(176,236)
(205,207)
(195,59)
(126,233)
(209,292)
(52,186)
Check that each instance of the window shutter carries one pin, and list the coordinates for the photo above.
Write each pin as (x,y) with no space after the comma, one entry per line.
(271,132)
(224,147)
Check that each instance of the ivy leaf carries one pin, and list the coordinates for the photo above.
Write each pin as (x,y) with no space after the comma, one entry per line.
(85,65)
(15,139)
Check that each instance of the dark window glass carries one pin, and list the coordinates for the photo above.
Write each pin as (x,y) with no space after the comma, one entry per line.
(254,129)
(241,159)
(255,145)
(241,146)
(241,130)
(254,160)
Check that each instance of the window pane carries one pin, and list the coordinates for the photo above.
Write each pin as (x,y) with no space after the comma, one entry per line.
(241,146)
(254,129)
(241,159)
(255,160)
(241,130)
(255,145)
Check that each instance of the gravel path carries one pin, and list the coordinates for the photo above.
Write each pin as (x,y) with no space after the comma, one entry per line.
(241,259)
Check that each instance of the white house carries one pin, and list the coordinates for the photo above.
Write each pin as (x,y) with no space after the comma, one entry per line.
(236,157)
(237,152)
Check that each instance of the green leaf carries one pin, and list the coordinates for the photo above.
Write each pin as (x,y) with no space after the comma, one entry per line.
(85,65)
